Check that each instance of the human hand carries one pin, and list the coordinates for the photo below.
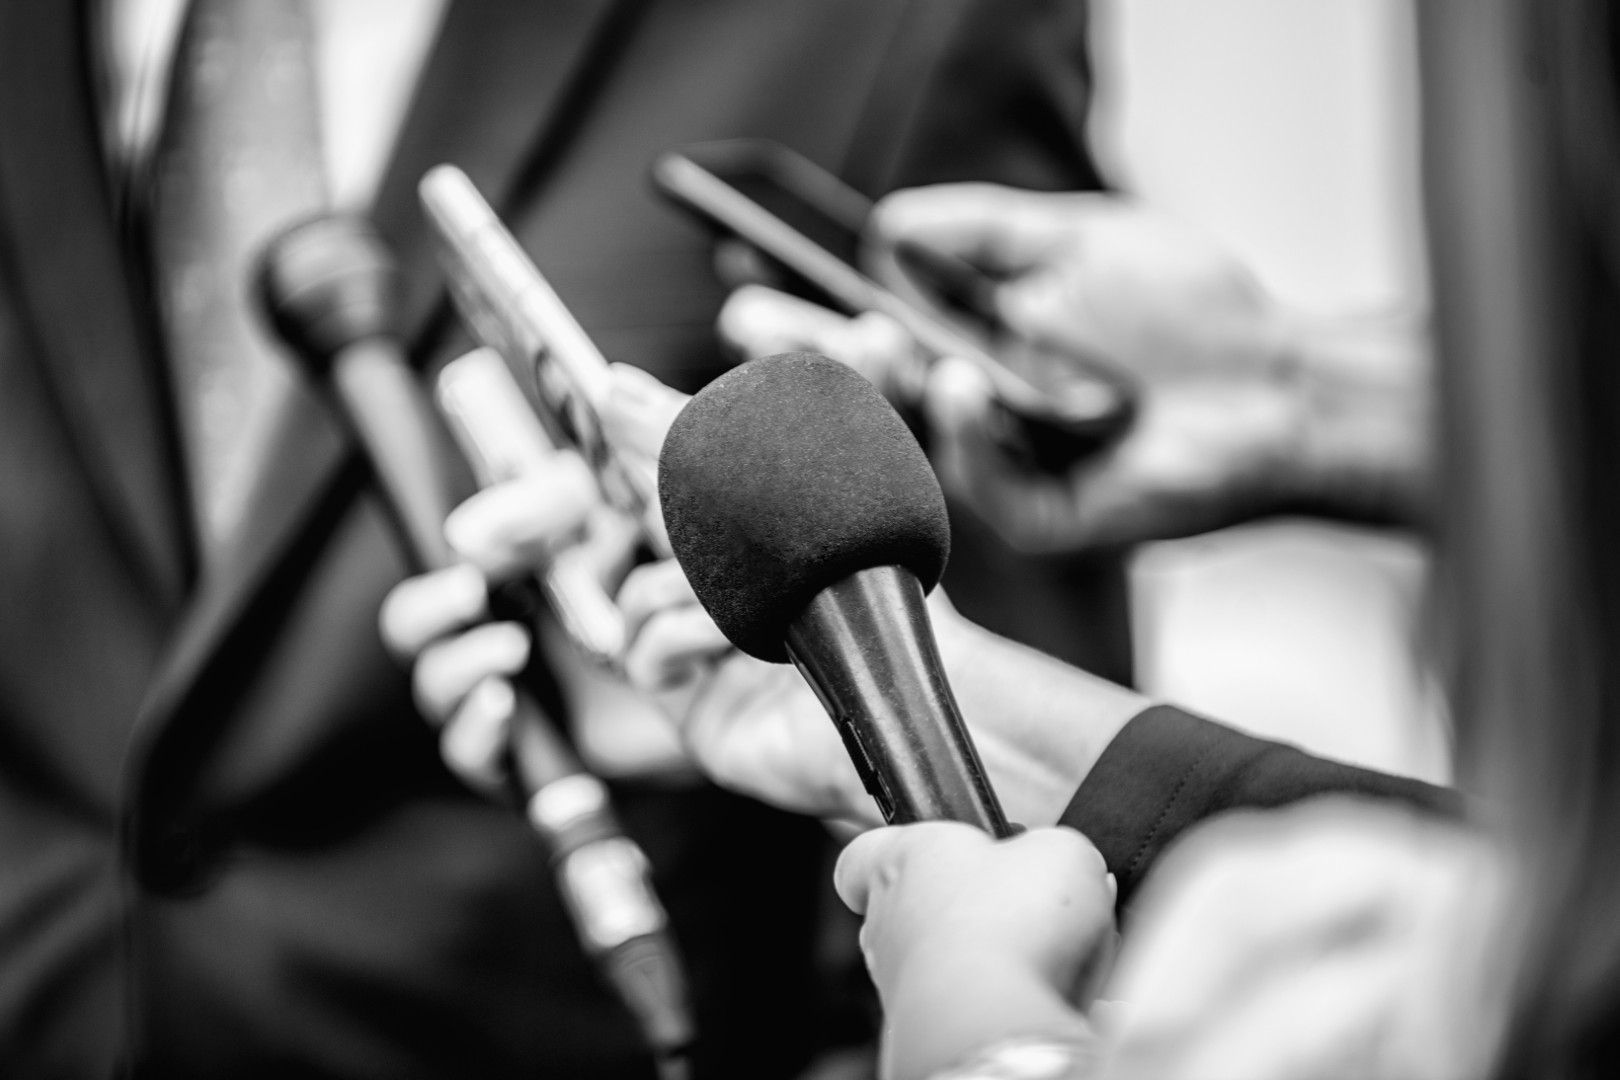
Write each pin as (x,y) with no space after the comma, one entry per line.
(1202,451)
(1093,275)
(618,730)
(757,728)
(757,320)
(1198,455)
(753,727)
(1038,724)
(1243,408)
(1103,280)
(750,726)
(462,664)
(972,941)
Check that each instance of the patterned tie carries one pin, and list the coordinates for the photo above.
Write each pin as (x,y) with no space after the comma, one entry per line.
(239,158)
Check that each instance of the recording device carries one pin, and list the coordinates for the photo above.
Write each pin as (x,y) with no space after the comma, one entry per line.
(512,309)
(810,525)
(502,438)
(328,289)
(1051,410)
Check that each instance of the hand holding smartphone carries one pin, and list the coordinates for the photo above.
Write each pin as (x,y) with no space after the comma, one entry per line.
(1051,410)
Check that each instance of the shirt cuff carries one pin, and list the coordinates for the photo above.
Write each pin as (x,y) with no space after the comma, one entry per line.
(1167,770)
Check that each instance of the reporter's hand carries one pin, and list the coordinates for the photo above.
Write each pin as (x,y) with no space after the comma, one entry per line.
(1094,275)
(1243,407)
(461,664)
(1102,279)
(757,728)
(753,727)
(1203,451)
(1200,454)
(1039,725)
(972,940)
(759,321)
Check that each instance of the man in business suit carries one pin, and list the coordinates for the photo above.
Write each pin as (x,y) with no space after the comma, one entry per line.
(229,846)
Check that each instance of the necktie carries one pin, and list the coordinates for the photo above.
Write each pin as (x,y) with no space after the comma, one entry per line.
(239,158)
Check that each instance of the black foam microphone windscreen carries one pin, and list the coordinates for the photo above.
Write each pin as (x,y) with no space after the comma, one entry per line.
(810,524)
(786,476)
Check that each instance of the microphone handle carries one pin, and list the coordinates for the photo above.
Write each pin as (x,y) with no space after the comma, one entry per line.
(412,459)
(603,876)
(867,648)
(395,425)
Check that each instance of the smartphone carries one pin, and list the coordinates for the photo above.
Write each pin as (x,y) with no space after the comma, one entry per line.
(512,308)
(1051,411)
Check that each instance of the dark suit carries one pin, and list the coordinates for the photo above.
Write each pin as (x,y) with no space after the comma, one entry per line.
(227,844)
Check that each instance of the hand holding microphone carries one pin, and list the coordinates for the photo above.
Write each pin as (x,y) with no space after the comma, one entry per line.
(979,946)
(750,726)
(441,623)
(328,288)
(809,524)
(617,417)
(757,727)
(506,443)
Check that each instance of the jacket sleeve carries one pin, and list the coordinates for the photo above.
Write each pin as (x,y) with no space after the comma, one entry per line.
(1168,770)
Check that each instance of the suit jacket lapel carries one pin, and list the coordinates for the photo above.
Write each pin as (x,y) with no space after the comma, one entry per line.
(490,98)
(74,277)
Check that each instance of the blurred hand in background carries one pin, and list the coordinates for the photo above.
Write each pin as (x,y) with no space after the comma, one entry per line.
(1241,408)
(438,622)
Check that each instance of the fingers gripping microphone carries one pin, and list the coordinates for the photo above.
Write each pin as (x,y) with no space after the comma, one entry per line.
(328,288)
(810,525)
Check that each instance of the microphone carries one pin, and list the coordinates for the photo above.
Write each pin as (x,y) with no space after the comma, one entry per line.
(328,288)
(811,525)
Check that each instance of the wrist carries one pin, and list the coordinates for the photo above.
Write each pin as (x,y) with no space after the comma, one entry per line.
(1039,724)
(1360,442)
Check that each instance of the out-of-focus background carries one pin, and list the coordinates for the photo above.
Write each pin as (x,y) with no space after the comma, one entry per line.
(1289,131)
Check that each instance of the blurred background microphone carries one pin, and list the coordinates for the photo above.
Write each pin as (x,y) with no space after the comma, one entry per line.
(328,287)
(810,525)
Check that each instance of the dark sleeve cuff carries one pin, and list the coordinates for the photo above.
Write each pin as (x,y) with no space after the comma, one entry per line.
(1167,770)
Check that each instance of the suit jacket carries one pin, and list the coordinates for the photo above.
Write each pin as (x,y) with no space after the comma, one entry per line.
(227,844)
